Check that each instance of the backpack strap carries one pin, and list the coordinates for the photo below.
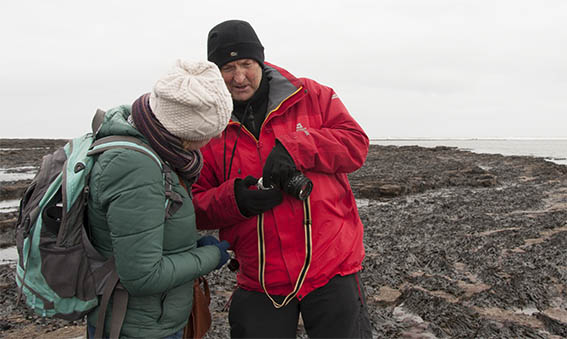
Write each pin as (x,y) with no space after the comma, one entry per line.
(174,199)
(122,141)
(119,306)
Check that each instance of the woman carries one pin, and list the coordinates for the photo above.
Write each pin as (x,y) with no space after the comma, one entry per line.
(158,258)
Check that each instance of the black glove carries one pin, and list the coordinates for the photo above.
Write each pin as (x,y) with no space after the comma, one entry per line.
(279,167)
(221,245)
(253,201)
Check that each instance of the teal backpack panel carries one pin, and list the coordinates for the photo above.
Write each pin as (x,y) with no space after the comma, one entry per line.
(52,271)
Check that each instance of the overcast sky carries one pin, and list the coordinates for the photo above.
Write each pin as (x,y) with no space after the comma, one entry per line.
(403,68)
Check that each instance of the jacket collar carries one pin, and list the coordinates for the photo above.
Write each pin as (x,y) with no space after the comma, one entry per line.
(281,87)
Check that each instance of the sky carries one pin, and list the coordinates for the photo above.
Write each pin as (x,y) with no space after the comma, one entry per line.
(403,68)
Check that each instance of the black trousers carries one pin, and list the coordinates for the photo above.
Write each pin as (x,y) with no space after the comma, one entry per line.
(336,310)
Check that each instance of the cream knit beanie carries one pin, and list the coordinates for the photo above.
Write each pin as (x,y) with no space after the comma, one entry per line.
(192,101)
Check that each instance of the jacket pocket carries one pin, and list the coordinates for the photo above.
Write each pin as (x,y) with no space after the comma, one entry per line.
(176,305)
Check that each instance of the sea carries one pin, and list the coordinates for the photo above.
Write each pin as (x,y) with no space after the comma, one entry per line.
(554,150)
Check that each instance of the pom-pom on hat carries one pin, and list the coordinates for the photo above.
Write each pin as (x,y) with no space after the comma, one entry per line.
(192,101)
(233,40)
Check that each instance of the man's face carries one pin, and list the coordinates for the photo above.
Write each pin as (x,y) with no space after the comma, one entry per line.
(242,78)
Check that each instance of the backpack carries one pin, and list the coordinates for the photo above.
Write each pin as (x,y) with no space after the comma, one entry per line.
(59,272)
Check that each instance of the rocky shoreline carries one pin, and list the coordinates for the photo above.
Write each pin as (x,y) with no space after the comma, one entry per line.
(459,245)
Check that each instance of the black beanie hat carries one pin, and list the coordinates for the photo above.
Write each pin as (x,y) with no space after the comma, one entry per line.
(232,40)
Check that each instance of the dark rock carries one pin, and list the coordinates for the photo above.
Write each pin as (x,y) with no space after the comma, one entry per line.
(390,190)
(554,326)
(13,190)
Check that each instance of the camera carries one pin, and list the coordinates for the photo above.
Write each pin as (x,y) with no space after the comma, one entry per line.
(298,186)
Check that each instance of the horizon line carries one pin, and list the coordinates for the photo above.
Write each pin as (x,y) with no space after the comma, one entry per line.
(370,138)
(464,138)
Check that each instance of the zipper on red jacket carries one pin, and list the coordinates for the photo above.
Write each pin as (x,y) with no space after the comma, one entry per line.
(268,116)
(242,126)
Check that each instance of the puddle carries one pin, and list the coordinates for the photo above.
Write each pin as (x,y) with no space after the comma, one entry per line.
(8,255)
(20,148)
(558,161)
(17,173)
(7,206)
(362,202)
(527,311)
(403,315)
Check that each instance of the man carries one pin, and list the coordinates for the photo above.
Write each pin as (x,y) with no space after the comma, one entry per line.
(295,256)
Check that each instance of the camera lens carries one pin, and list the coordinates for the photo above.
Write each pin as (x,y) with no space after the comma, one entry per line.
(233,265)
(299,186)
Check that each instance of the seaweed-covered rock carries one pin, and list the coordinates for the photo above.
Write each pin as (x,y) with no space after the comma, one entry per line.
(458,245)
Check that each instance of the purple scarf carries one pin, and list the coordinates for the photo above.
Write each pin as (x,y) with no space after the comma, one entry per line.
(187,164)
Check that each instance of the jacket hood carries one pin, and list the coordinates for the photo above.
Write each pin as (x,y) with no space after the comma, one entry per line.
(116,123)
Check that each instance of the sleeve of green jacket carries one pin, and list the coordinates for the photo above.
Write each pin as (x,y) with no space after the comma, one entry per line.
(133,192)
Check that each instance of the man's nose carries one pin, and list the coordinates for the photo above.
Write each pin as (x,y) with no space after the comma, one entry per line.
(239,76)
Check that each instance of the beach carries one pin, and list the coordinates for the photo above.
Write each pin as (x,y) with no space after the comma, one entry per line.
(458,244)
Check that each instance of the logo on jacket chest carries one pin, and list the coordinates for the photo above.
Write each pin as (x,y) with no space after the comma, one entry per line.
(299,127)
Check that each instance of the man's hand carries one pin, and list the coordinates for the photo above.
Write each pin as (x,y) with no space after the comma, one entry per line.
(279,167)
(253,201)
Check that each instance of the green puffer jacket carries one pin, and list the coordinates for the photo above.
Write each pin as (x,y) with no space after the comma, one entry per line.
(156,260)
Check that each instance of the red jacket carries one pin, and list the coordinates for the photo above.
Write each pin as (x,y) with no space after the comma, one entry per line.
(325,143)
